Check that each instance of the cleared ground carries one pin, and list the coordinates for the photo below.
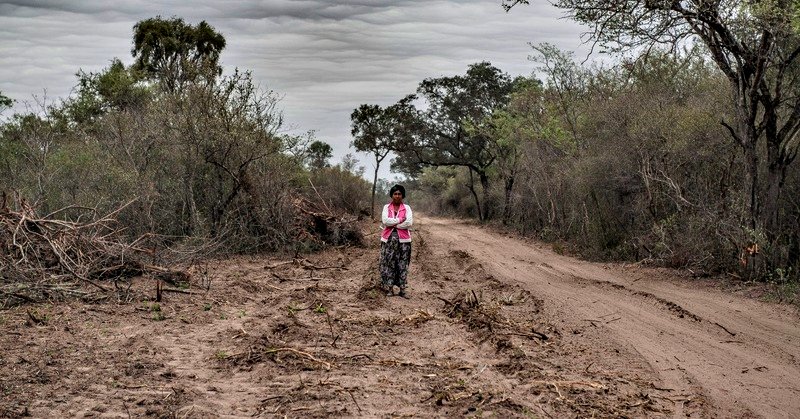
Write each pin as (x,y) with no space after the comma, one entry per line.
(495,326)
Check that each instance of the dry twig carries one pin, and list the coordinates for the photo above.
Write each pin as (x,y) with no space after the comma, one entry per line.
(301,353)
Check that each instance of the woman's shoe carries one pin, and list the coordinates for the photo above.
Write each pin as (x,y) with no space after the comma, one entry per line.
(403,293)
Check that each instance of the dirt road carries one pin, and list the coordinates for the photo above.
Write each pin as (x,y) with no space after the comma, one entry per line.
(495,327)
(742,353)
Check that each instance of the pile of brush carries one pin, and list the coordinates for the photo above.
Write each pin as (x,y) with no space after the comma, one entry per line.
(69,252)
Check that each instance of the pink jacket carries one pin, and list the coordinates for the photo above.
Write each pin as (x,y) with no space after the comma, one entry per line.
(391,220)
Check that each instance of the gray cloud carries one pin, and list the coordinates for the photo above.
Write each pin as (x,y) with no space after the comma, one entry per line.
(325,57)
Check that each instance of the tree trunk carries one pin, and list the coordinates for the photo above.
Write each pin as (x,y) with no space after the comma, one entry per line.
(794,248)
(763,198)
(485,185)
(776,177)
(508,186)
(777,163)
(752,183)
(475,195)
(254,206)
(219,209)
(748,139)
(374,185)
(189,206)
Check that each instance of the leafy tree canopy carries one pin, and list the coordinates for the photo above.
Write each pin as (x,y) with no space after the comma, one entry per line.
(454,106)
(319,152)
(115,87)
(448,129)
(176,52)
(378,131)
(5,101)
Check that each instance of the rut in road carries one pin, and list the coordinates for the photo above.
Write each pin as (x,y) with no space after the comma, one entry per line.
(743,354)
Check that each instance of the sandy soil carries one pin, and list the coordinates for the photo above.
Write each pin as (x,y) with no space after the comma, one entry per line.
(495,326)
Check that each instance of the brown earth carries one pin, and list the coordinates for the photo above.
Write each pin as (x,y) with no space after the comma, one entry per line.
(495,326)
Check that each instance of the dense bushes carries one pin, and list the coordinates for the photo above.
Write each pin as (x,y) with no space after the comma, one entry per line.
(207,160)
(626,163)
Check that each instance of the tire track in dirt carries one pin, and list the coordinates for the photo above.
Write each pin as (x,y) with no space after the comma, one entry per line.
(563,377)
(750,369)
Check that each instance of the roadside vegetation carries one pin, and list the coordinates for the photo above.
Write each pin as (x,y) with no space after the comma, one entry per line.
(680,152)
(170,159)
(201,153)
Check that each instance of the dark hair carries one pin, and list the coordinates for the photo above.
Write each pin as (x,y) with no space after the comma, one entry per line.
(397,188)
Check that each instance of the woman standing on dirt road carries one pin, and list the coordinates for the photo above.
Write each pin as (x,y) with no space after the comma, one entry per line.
(395,242)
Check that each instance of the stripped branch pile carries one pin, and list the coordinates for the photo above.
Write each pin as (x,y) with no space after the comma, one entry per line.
(45,258)
(486,317)
(321,225)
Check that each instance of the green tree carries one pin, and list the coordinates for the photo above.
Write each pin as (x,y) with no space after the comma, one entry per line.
(349,163)
(567,85)
(378,131)
(512,127)
(757,48)
(318,154)
(5,102)
(448,131)
(174,52)
(233,125)
(114,88)
(31,140)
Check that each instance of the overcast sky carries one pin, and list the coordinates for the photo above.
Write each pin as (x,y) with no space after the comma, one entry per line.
(324,57)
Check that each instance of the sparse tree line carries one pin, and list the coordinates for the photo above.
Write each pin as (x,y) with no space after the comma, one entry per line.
(202,154)
(682,154)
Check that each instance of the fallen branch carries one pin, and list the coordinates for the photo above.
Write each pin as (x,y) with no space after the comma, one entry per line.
(360,356)
(555,386)
(17,295)
(725,329)
(319,223)
(180,291)
(533,334)
(35,319)
(354,399)
(446,301)
(308,265)
(275,265)
(590,384)
(301,353)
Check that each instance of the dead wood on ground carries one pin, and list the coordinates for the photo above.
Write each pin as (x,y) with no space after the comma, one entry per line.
(320,225)
(50,258)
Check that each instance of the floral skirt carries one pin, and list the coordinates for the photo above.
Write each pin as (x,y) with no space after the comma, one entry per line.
(395,258)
